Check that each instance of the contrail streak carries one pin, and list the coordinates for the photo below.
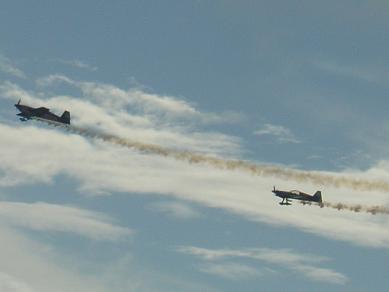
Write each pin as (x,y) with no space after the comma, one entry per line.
(229,164)
(355,208)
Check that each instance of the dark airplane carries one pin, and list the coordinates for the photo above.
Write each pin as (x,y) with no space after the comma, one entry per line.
(297,195)
(41,113)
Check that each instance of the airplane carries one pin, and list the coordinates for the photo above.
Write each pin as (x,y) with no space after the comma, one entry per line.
(41,113)
(297,195)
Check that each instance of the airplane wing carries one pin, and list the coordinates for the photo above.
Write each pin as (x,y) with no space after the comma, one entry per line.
(40,110)
(51,122)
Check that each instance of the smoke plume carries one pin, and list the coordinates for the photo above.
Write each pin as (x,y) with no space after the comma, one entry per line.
(239,165)
(349,207)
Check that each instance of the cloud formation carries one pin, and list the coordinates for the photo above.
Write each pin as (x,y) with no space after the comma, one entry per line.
(230,270)
(366,73)
(165,108)
(176,209)
(305,265)
(9,68)
(49,217)
(29,266)
(280,133)
(77,64)
(9,283)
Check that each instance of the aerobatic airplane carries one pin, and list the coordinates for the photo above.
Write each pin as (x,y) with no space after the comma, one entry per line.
(297,195)
(41,113)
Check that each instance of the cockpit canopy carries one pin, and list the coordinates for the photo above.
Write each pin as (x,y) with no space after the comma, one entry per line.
(295,192)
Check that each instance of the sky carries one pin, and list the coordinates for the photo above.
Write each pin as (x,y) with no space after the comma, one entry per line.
(300,86)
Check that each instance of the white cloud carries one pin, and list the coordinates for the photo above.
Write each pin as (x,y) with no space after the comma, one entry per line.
(8,67)
(230,270)
(367,73)
(301,264)
(77,63)
(163,106)
(9,283)
(176,209)
(280,133)
(27,265)
(50,217)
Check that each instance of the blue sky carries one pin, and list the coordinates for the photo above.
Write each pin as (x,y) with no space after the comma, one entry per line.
(296,84)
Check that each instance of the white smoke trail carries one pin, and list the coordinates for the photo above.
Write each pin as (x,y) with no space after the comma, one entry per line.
(354,208)
(254,169)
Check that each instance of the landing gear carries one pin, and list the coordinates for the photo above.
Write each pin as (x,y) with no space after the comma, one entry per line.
(285,202)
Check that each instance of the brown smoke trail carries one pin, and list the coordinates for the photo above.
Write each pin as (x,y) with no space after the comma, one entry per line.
(254,169)
(354,208)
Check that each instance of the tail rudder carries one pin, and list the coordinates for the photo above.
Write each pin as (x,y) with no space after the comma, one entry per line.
(317,197)
(65,118)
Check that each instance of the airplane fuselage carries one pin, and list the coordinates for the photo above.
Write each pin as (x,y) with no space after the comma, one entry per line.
(297,195)
(27,112)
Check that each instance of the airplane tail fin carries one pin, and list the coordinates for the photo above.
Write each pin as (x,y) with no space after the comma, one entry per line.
(65,118)
(317,197)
